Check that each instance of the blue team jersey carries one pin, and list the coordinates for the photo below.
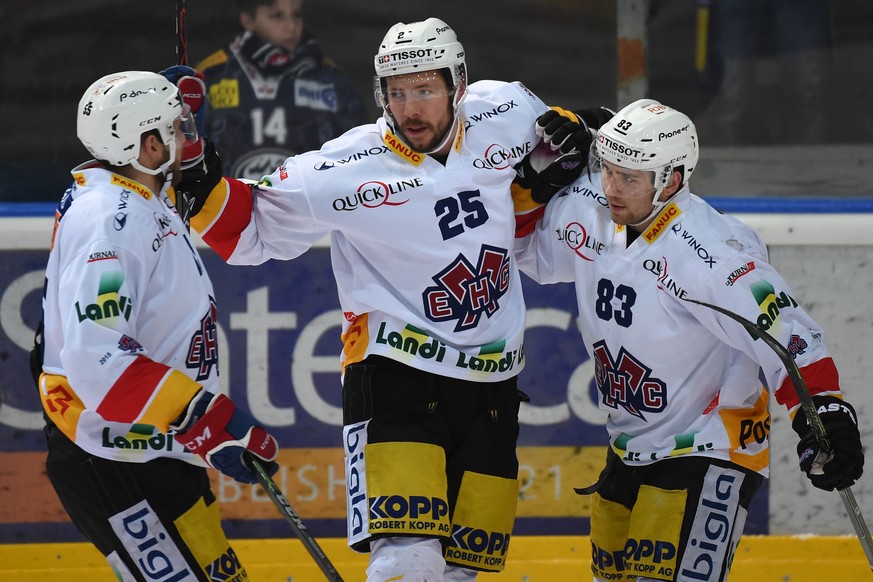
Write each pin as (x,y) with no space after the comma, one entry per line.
(258,121)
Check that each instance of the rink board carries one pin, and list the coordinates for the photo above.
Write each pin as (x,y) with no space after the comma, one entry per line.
(531,559)
(278,337)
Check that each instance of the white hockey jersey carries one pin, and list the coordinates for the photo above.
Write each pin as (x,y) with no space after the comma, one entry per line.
(421,251)
(677,378)
(130,319)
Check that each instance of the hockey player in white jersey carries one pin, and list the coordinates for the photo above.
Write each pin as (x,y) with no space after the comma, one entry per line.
(421,225)
(129,356)
(688,416)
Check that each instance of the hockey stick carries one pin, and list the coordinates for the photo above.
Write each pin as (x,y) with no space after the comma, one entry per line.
(300,530)
(183,202)
(181,32)
(812,416)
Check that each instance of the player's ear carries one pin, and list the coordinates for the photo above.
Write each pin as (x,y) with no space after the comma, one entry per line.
(673,185)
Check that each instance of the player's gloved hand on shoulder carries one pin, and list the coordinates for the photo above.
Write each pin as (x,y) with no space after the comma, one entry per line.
(214,428)
(192,89)
(558,160)
(564,131)
(843,464)
(198,181)
(595,117)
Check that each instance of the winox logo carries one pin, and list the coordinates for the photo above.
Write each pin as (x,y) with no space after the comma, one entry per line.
(626,382)
(464,291)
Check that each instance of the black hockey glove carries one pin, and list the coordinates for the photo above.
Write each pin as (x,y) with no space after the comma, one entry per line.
(843,464)
(595,117)
(558,160)
(198,181)
(563,133)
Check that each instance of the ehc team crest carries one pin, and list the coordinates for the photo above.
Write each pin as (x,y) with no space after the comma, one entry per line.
(625,381)
(463,292)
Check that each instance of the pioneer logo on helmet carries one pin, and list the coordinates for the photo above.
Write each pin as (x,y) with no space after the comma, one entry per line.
(662,136)
(619,148)
(135,93)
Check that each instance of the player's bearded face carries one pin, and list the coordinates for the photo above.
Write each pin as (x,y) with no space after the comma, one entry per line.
(421,104)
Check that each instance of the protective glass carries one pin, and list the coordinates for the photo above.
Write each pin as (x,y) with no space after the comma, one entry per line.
(187,127)
(423,86)
(594,160)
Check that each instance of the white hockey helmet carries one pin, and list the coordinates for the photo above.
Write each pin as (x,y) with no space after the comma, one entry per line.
(420,46)
(117,109)
(649,136)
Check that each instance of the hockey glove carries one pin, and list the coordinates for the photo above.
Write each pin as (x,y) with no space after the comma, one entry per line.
(558,160)
(192,89)
(564,133)
(595,117)
(214,428)
(843,464)
(198,181)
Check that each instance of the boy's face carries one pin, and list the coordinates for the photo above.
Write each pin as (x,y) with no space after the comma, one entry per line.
(280,23)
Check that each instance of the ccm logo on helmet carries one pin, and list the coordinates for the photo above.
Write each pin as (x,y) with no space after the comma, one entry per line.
(662,136)
(619,148)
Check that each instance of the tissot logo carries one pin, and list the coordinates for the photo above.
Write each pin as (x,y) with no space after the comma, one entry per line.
(622,150)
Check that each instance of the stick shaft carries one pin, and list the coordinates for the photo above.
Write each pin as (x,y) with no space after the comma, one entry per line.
(181,32)
(812,416)
(300,530)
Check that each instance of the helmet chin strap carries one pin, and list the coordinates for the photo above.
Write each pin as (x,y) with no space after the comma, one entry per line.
(165,169)
(657,204)
(656,208)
